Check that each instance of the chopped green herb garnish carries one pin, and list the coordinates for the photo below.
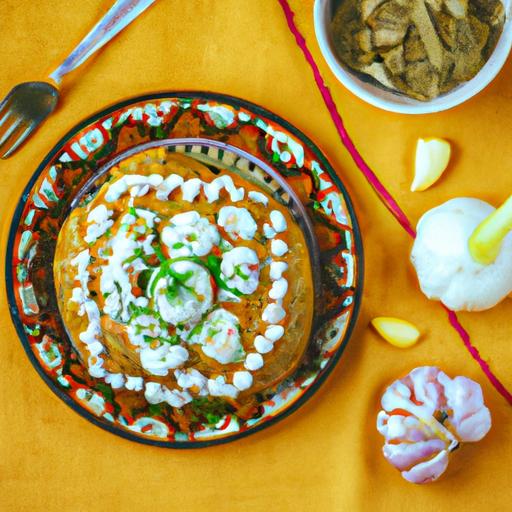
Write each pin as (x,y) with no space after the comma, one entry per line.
(213,264)
(171,293)
(210,409)
(155,409)
(212,332)
(212,419)
(224,245)
(196,330)
(109,396)
(181,277)
(239,273)
(137,253)
(159,253)
(141,310)
(160,132)
(171,340)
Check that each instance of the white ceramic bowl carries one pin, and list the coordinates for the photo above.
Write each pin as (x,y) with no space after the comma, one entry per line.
(387,100)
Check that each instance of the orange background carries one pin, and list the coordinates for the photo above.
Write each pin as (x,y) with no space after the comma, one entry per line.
(326,456)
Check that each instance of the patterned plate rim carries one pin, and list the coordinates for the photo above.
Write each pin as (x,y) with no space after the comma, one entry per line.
(322,376)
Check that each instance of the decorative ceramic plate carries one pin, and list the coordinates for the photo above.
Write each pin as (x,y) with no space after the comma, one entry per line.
(219,134)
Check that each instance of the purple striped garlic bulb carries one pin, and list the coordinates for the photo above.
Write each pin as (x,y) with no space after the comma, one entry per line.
(427,415)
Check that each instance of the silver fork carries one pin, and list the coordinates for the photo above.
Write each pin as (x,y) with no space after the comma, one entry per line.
(28,104)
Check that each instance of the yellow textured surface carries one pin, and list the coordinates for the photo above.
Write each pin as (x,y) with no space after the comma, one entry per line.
(326,456)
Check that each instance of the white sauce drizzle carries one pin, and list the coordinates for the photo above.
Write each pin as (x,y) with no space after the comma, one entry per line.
(139,190)
(167,186)
(218,387)
(116,380)
(274,332)
(253,361)
(237,222)
(156,393)
(99,222)
(277,268)
(158,361)
(273,313)
(189,234)
(278,221)
(193,295)
(134,383)
(268,231)
(279,289)
(192,378)
(186,234)
(278,247)
(92,334)
(123,184)
(262,344)
(258,197)
(242,380)
(114,281)
(212,190)
(219,337)
(241,269)
(191,189)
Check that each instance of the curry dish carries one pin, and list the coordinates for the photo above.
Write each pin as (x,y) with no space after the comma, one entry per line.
(180,285)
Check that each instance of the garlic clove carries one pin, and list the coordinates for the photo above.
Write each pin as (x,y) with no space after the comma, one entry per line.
(485,242)
(397,332)
(432,158)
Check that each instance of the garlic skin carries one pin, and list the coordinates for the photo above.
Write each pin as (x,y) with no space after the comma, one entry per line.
(426,416)
(445,268)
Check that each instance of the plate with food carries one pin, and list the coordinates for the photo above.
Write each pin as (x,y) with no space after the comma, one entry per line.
(184,269)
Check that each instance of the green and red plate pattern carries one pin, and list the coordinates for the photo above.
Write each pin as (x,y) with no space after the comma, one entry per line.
(46,201)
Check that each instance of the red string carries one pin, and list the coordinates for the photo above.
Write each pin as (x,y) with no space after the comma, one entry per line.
(379,188)
(454,321)
(384,195)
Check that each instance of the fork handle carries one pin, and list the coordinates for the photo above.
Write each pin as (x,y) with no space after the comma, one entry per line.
(121,14)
